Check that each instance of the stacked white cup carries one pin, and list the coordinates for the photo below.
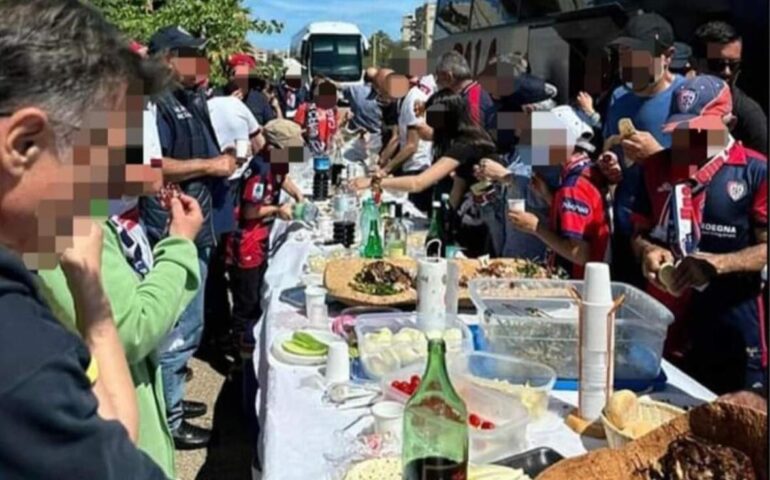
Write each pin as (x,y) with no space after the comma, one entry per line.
(597,340)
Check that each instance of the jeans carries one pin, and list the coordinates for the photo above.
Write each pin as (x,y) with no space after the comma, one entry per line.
(180,345)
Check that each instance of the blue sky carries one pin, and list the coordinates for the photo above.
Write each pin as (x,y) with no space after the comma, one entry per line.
(369,15)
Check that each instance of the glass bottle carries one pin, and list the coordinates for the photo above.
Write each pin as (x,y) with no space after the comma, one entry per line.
(373,248)
(435,434)
(435,232)
(368,212)
(449,217)
(395,233)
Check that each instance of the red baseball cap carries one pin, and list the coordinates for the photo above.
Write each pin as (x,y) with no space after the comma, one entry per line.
(701,103)
(238,59)
(136,47)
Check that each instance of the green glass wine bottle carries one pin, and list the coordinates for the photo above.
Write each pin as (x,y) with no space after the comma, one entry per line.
(435,435)
(373,248)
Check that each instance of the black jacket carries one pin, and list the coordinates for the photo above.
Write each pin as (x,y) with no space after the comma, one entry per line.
(49,428)
(751,127)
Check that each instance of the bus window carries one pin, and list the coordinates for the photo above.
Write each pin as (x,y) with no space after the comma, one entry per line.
(452,16)
(337,56)
(534,9)
(493,13)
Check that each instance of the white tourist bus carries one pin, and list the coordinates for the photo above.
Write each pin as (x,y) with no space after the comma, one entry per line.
(333,49)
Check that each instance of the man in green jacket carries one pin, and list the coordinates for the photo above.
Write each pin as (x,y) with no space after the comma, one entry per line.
(147,296)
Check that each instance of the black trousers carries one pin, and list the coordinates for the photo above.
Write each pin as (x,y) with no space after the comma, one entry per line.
(246,288)
(217,305)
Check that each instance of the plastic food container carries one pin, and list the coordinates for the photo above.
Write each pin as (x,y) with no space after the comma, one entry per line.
(537,320)
(523,380)
(509,415)
(378,359)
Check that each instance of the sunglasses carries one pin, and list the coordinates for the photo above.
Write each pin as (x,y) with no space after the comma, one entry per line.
(721,64)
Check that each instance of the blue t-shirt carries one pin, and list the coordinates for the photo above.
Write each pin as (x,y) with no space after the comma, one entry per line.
(648,114)
(259,106)
(366,111)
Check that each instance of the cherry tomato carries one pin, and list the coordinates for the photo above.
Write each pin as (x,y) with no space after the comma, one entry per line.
(487,425)
(474,420)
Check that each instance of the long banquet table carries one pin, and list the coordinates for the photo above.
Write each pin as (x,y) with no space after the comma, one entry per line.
(297,429)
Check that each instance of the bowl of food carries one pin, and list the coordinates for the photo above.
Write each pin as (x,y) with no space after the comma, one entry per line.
(627,418)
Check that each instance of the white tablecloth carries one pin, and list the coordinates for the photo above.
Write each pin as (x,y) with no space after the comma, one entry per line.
(297,429)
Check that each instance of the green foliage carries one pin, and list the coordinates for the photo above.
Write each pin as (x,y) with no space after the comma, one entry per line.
(224,23)
(381,48)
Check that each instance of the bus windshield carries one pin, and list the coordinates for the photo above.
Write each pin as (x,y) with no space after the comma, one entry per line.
(338,57)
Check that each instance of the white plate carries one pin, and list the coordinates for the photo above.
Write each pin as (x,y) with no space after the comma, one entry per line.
(292,359)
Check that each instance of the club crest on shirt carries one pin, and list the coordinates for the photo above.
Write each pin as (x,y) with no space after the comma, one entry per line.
(736,190)
(686,98)
(258,192)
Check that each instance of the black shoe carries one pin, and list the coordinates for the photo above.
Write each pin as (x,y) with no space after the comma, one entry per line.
(188,374)
(190,437)
(193,409)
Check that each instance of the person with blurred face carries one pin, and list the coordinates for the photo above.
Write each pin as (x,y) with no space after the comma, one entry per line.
(192,158)
(515,177)
(701,236)
(454,73)
(459,145)
(388,112)
(68,89)
(319,117)
(645,48)
(410,88)
(719,52)
(579,230)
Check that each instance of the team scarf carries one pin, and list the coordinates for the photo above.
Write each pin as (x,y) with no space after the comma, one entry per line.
(680,221)
(318,143)
(133,241)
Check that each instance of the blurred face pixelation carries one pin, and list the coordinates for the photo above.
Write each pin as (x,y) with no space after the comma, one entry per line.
(498,79)
(396,86)
(49,187)
(190,66)
(410,63)
(326,95)
(639,69)
(695,146)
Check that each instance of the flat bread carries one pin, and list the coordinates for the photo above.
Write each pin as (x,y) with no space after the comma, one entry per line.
(340,273)
(735,426)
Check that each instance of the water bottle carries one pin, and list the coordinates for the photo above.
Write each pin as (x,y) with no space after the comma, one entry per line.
(321,178)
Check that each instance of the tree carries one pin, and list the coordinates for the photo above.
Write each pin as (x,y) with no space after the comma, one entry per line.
(381,48)
(224,23)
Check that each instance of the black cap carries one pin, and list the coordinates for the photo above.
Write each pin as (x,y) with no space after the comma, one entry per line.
(682,56)
(648,31)
(172,38)
(529,89)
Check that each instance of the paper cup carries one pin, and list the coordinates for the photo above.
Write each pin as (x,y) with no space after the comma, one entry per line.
(595,328)
(314,296)
(596,286)
(388,418)
(242,149)
(337,363)
(517,204)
